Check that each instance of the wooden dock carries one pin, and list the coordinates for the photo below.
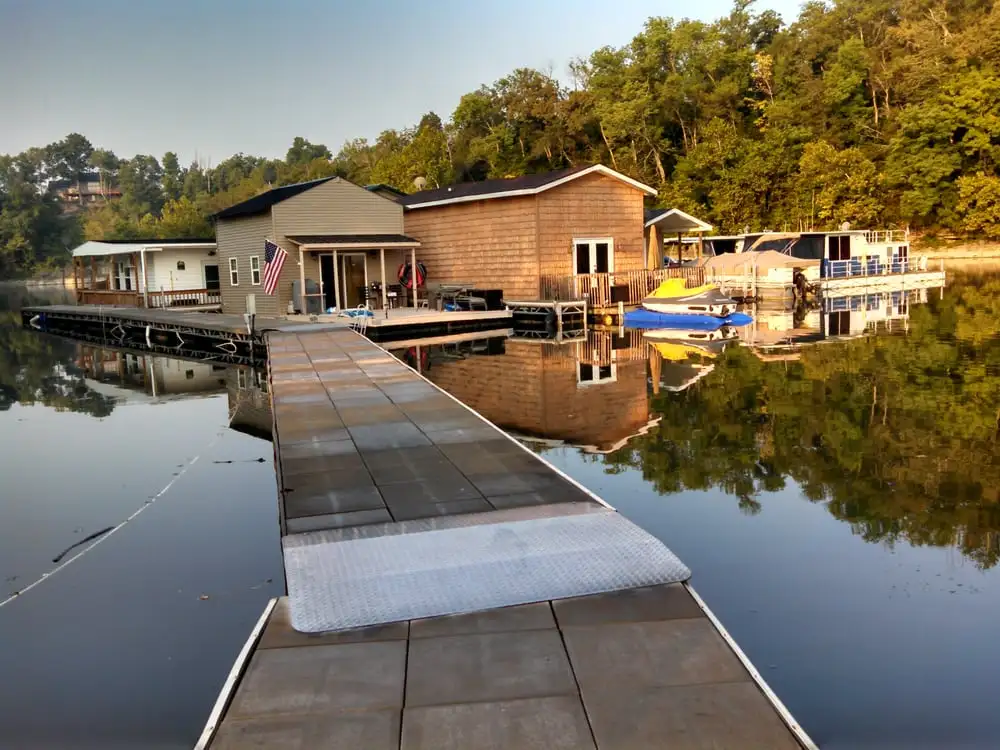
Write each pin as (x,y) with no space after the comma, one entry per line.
(366,448)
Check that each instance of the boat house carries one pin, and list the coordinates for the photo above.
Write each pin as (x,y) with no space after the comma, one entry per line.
(148,273)
(667,226)
(339,237)
(558,235)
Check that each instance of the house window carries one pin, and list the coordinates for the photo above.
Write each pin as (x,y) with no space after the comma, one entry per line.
(255,270)
(234,272)
(840,248)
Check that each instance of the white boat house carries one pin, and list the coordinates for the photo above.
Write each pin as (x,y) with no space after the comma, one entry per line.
(148,273)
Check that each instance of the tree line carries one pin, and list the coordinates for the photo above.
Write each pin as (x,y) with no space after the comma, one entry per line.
(876,112)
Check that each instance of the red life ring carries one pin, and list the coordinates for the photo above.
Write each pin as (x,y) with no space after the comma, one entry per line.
(405,275)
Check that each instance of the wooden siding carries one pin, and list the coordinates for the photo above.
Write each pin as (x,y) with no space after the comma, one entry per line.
(242,238)
(592,207)
(510,243)
(491,244)
(335,207)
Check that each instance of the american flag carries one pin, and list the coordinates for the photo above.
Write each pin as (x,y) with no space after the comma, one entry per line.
(274,259)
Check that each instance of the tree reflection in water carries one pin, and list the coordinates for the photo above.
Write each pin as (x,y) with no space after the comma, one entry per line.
(898,435)
(40,369)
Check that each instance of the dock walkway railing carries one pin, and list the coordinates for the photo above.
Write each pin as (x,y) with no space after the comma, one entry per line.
(596,288)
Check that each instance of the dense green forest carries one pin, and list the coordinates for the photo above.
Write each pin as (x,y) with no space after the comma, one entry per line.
(897,435)
(871,111)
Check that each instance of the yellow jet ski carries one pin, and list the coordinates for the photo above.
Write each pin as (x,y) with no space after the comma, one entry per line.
(674,297)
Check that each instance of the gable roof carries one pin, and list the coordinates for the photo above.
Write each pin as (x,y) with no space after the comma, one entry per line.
(263,202)
(675,220)
(530,184)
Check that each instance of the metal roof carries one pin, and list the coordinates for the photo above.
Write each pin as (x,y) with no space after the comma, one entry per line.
(530,184)
(94,248)
(675,220)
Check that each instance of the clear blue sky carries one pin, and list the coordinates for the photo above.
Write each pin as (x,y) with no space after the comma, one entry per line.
(221,76)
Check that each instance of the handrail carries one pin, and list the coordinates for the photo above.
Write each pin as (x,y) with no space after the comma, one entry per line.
(185,298)
(596,287)
(161,299)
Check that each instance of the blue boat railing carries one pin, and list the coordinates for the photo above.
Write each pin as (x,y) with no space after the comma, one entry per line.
(846,269)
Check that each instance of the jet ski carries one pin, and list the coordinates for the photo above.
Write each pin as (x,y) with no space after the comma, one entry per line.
(673,297)
(693,335)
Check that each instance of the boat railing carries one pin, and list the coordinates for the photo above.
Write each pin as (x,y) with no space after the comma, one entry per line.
(873,266)
(886,236)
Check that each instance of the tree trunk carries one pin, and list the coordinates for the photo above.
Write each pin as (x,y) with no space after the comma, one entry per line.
(874,104)
(614,162)
(660,171)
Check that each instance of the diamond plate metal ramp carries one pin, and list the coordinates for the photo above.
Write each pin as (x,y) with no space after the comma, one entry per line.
(336,585)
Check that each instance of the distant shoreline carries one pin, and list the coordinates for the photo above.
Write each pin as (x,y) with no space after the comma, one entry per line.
(960,251)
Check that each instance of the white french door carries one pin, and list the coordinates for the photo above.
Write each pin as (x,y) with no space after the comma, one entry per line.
(592,256)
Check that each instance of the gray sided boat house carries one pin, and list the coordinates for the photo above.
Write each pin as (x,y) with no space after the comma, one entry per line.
(339,238)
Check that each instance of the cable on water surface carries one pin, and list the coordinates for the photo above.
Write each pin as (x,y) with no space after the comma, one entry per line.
(108,533)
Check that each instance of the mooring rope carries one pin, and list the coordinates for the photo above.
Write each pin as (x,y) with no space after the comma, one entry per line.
(108,533)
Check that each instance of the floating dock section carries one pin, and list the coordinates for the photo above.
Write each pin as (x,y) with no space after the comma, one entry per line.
(449,589)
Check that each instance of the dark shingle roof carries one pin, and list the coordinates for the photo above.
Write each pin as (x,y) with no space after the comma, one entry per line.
(261,203)
(382,187)
(488,188)
(651,213)
(352,239)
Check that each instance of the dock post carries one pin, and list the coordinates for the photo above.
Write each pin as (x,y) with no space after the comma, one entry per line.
(145,278)
(336,283)
(413,273)
(385,293)
(302,281)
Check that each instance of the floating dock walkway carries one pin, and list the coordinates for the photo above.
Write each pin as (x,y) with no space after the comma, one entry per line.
(235,338)
(448,589)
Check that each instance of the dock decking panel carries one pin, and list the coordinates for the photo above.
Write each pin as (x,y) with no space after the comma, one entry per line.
(361,438)
(642,668)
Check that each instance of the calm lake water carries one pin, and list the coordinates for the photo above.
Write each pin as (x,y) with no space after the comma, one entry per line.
(119,649)
(838,501)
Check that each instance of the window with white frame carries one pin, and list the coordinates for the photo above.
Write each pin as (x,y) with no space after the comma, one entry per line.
(255,270)
(234,272)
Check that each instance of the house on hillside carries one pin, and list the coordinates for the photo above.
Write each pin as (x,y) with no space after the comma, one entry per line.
(148,273)
(345,245)
(547,236)
(88,190)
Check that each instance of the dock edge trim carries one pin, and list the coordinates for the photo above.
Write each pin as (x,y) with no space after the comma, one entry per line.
(229,686)
(786,716)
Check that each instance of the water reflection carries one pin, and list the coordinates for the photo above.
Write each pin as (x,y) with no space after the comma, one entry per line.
(892,423)
(588,393)
(88,436)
